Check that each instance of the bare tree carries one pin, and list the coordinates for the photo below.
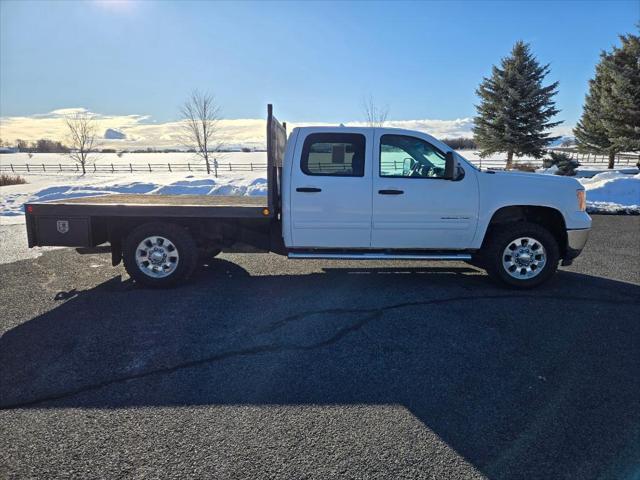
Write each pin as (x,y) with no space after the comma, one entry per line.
(201,115)
(375,115)
(82,138)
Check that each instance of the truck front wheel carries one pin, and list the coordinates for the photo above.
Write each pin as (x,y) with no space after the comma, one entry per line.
(521,255)
(159,255)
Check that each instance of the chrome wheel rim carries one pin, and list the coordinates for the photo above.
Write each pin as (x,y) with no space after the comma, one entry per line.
(524,258)
(157,257)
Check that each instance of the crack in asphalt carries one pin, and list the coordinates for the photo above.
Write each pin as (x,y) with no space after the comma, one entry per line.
(369,315)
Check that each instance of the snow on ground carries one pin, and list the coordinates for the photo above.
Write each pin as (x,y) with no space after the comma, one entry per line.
(588,171)
(607,191)
(613,192)
(59,186)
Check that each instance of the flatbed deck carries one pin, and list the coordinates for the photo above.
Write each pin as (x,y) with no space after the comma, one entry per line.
(192,200)
(215,206)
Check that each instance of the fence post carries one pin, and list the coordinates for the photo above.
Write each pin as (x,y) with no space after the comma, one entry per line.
(95,168)
(130,167)
(43,169)
(229,166)
(60,165)
(112,169)
(12,168)
(251,165)
(169,165)
(28,168)
(215,167)
(189,166)
(149,167)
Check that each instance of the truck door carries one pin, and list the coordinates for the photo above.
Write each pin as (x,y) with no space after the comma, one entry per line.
(330,190)
(414,206)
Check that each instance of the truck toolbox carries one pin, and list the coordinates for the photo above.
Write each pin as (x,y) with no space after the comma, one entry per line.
(63,231)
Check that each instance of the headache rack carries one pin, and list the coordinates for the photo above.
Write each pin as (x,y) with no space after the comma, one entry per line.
(276,143)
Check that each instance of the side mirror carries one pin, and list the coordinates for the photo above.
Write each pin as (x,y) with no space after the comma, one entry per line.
(451,166)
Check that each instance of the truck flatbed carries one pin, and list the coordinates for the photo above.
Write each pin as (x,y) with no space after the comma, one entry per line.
(212,206)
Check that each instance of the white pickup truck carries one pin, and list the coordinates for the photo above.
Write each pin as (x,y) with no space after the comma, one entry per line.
(339,193)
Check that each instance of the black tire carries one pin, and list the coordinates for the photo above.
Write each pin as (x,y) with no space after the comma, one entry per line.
(178,236)
(499,240)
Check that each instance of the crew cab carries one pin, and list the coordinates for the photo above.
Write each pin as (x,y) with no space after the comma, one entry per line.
(339,193)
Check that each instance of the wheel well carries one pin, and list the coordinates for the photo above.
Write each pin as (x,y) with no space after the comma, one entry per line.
(207,232)
(547,217)
(200,229)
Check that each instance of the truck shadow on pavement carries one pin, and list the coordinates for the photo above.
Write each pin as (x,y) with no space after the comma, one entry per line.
(538,381)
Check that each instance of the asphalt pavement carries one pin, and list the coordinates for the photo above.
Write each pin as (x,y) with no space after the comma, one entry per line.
(263,367)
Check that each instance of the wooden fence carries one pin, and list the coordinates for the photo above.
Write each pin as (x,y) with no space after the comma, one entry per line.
(621,158)
(169,167)
(225,167)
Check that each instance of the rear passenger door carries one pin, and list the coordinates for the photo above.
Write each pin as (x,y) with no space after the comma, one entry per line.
(331,190)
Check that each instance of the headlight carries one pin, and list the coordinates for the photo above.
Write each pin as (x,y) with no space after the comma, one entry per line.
(582,200)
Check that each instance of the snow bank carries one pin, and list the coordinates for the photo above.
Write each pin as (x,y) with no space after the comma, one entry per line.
(552,170)
(613,192)
(589,171)
(57,187)
(585,171)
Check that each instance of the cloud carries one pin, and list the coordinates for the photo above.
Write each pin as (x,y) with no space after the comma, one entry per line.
(63,112)
(142,132)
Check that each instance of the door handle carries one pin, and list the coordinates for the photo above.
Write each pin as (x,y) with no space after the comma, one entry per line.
(308,189)
(390,192)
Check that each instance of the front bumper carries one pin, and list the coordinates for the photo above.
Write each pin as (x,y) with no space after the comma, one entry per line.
(576,240)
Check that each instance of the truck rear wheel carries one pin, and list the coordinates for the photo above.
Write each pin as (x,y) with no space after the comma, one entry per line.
(521,255)
(159,255)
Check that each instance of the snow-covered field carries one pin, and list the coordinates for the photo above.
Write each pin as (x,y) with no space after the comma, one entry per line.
(60,186)
(612,192)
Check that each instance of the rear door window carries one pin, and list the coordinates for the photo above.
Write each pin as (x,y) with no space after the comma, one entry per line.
(334,155)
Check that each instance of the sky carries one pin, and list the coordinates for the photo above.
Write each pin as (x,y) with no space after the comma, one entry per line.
(133,63)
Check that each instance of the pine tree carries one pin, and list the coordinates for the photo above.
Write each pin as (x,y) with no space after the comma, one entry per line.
(515,109)
(591,134)
(610,121)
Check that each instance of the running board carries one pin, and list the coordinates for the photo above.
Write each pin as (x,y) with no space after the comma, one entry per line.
(379,256)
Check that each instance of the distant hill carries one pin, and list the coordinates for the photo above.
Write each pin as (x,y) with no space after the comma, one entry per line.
(563,141)
(113,134)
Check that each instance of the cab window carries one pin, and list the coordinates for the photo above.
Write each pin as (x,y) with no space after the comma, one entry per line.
(333,154)
(411,157)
